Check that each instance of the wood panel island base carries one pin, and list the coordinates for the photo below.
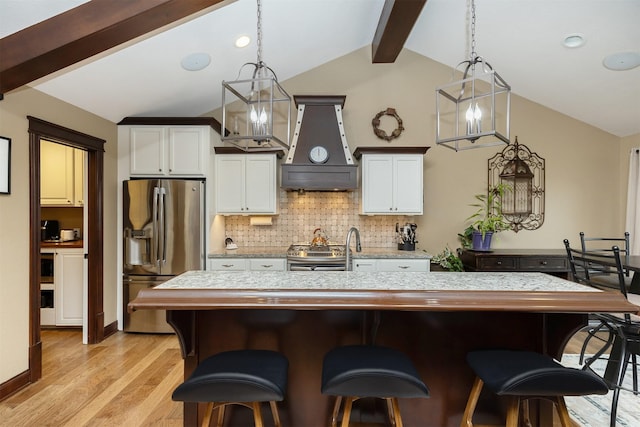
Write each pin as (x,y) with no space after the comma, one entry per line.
(435,318)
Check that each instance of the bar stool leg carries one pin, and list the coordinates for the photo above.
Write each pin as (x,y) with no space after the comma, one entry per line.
(257,415)
(274,412)
(525,413)
(346,413)
(513,411)
(220,420)
(336,410)
(207,414)
(392,417)
(396,412)
(565,419)
(467,418)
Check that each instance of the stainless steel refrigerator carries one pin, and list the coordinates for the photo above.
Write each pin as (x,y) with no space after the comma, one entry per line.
(164,235)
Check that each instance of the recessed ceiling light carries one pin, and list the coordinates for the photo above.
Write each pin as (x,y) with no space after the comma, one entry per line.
(573,40)
(243,41)
(196,61)
(622,61)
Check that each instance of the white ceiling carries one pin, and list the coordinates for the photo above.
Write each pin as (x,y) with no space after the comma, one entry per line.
(522,39)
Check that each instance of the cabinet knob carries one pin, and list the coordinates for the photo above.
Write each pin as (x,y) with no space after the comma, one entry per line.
(499,262)
(543,262)
(267,265)
(391,208)
(404,267)
(227,265)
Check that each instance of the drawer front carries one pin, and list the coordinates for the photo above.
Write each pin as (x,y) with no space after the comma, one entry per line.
(267,264)
(230,264)
(403,265)
(497,263)
(544,264)
(364,265)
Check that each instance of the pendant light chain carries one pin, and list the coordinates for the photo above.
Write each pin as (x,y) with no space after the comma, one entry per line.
(259,33)
(473,29)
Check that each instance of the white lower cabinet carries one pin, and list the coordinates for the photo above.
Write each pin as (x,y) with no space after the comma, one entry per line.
(267,264)
(392,264)
(228,264)
(247,264)
(68,282)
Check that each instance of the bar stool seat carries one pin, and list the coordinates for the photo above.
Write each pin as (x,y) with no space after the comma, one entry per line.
(240,377)
(524,375)
(359,371)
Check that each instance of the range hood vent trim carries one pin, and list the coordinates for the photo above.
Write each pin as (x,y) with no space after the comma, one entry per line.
(319,122)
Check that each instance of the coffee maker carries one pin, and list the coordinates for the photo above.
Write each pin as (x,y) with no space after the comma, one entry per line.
(49,229)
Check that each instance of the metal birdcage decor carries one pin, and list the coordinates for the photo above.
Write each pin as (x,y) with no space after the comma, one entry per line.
(473,112)
(522,173)
(256,111)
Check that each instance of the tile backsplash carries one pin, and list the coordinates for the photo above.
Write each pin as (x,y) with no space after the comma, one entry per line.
(300,214)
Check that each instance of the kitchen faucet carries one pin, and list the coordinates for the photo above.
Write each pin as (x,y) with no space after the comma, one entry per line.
(347,261)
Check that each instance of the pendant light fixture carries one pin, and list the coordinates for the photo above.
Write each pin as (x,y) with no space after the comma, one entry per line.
(256,111)
(473,112)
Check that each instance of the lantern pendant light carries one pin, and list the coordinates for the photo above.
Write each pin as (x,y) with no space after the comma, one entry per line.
(256,111)
(473,112)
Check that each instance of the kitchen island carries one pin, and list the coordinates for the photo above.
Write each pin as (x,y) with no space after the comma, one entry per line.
(436,318)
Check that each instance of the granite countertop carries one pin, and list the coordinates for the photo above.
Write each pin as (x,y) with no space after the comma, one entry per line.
(281,252)
(354,280)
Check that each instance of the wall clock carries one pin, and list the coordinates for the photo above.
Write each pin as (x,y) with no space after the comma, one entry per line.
(318,154)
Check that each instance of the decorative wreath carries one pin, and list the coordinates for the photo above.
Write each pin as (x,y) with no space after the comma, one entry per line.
(381,133)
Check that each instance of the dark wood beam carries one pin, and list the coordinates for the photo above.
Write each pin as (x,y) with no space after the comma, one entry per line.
(82,32)
(396,21)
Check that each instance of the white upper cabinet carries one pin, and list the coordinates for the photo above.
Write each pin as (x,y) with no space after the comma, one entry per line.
(246,184)
(392,184)
(61,175)
(178,151)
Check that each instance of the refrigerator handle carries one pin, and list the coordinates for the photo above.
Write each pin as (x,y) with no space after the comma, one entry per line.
(154,227)
(162,243)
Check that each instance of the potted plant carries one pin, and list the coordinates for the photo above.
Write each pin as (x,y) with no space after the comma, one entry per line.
(488,219)
(448,260)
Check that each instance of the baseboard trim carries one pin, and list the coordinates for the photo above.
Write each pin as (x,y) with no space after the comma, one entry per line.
(110,329)
(16,383)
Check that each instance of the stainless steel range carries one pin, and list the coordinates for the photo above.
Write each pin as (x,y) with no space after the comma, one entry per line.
(306,257)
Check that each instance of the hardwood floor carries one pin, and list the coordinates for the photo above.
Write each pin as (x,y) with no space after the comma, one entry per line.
(125,380)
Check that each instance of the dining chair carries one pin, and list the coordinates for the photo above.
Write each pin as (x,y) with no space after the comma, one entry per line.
(603,245)
(621,341)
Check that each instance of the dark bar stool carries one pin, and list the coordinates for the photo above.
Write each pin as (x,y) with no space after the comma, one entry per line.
(240,377)
(526,375)
(359,371)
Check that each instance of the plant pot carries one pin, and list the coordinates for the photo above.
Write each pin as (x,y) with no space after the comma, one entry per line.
(481,244)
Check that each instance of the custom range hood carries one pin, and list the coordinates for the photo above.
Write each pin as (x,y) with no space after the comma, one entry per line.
(319,157)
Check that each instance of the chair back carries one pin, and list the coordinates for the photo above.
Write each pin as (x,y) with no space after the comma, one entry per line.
(603,245)
(587,266)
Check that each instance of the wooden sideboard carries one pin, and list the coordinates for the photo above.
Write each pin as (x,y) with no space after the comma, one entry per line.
(552,261)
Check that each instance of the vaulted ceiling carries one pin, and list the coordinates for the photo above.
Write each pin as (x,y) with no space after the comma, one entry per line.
(91,55)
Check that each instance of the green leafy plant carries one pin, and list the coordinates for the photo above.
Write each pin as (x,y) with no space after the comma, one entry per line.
(466,237)
(488,217)
(448,260)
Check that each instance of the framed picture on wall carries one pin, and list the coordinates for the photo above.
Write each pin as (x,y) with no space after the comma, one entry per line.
(5,165)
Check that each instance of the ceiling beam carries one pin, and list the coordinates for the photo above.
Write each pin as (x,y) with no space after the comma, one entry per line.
(82,32)
(396,21)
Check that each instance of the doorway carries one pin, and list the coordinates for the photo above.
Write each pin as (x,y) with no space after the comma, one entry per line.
(94,148)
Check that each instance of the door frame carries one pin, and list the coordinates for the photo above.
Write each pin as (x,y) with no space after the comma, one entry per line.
(40,129)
